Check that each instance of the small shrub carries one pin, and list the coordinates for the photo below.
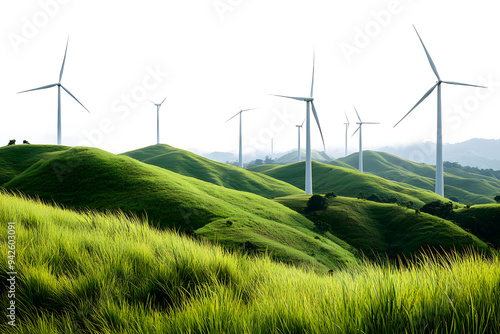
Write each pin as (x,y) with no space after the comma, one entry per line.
(468,205)
(316,203)
(330,194)
(26,142)
(497,198)
(11,142)
(361,195)
(438,208)
(374,198)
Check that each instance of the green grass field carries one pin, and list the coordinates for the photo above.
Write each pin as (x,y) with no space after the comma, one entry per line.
(292,157)
(190,164)
(89,272)
(467,187)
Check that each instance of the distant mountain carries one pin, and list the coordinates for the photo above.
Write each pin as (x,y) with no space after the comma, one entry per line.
(221,156)
(481,153)
(465,186)
(189,164)
(292,156)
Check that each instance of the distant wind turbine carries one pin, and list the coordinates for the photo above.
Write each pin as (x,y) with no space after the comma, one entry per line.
(360,167)
(346,128)
(299,127)
(439,143)
(240,162)
(158,106)
(309,104)
(59,86)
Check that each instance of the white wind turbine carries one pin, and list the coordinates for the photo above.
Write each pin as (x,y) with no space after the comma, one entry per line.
(59,86)
(240,161)
(346,128)
(299,127)
(158,106)
(439,141)
(309,104)
(360,167)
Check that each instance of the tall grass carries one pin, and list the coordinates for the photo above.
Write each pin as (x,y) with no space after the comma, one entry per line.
(108,273)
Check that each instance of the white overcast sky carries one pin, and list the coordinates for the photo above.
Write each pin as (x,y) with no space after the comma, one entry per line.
(211,57)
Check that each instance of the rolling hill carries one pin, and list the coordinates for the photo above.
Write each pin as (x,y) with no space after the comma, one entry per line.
(190,164)
(91,178)
(384,229)
(350,182)
(467,187)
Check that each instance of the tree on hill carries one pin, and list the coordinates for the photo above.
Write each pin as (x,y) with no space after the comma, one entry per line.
(26,142)
(497,198)
(330,194)
(11,142)
(316,203)
(438,208)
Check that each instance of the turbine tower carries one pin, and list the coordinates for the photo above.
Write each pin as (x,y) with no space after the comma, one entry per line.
(299,127)
(59,86)
(240,161)
(360,167)
(158,106)
(309,105)
(439,141)
(346,128)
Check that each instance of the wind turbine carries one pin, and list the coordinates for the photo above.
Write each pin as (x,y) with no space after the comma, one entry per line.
(346,128)
(158,106)
(59,86)
(309,104)
(299,127)
(360,167)
(240,162)
(439,141)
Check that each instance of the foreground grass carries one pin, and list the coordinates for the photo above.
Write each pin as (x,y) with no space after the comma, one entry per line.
(102,273)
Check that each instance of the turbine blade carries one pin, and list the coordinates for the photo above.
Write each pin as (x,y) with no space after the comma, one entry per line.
(346,117)
(44,87)
(67,91)
(64,61)
(233,116)
(359,127)
(247,109)
(293,97)
(423,98)
(462,84)
(371,123)
(302,122)
(319,126)
(312,82)
(163,100)
(357,114)
(428,56)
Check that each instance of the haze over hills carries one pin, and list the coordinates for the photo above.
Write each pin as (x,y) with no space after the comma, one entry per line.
(466,187)
(481,153)
(292,156)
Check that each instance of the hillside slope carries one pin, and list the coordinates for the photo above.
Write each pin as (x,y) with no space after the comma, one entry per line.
(87,177)
(349,182)
(190,164)
(292,157)
(467,187)
(385,229)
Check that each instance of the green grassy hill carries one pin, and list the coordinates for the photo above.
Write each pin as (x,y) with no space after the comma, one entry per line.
(17,158)
(100,273)
(190,164)
(379,229)
(292,157)
(467,187)
(482,220)
(350,182)
(87,177)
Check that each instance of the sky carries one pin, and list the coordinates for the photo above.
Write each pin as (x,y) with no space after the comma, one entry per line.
(212,57)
